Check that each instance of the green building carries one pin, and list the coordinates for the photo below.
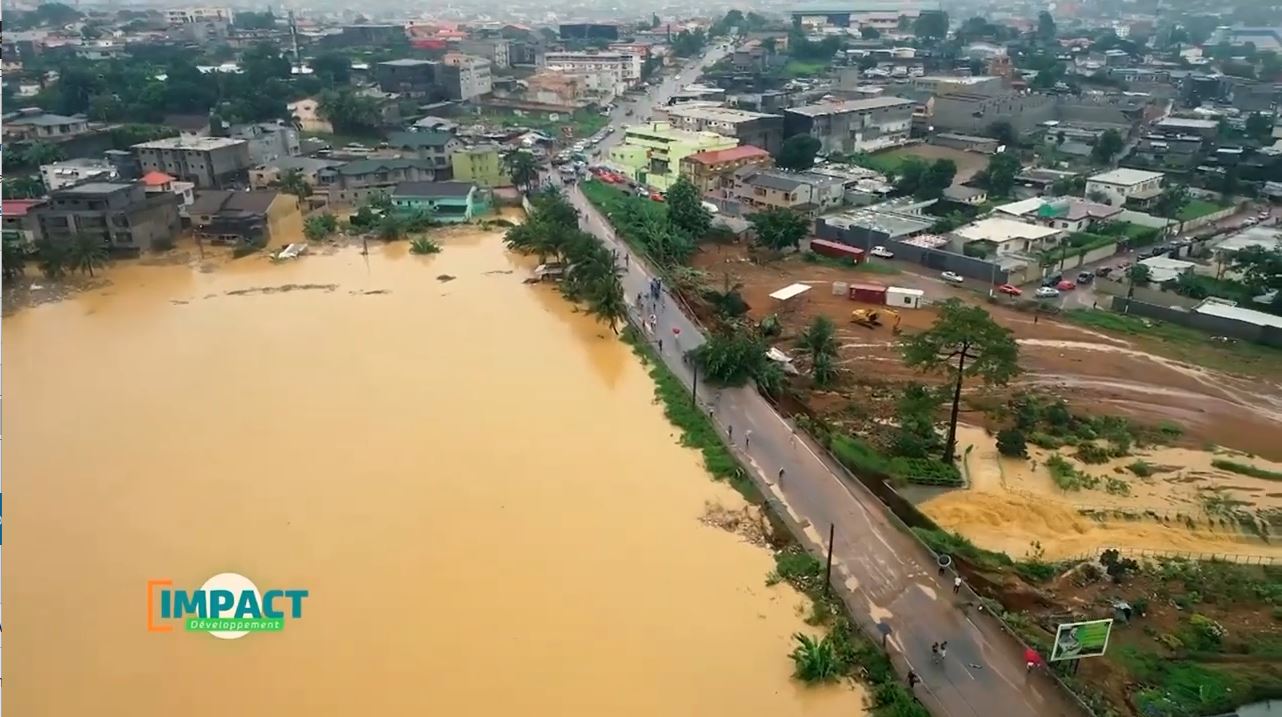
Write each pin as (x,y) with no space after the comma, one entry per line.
(449,202)
(652,153)
(482,164)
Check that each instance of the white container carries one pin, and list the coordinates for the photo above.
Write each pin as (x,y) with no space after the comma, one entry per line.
(903,298)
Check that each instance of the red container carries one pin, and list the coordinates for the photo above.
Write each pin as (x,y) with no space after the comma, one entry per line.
(836,250)
(868,293)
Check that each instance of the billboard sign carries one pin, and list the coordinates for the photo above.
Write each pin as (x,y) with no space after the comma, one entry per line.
(1074,640)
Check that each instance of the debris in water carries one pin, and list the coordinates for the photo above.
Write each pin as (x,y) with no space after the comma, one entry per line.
(178,302)
(746,522)
(282,289)
(445,277)
(497,271)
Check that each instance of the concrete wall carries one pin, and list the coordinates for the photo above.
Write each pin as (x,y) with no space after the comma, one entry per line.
(937,259)
(1147,294)
(1209,218)
(1093,255)
(1213,325)
(1142,219)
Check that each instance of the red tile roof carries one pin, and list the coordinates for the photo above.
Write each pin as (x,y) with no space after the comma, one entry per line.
(19,207)
(156,179)
(734,154)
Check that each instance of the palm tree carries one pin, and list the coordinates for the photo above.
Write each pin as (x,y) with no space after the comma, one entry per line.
(609,304)
(815,660)
(819,342)
(86,252)
(522,167)
(53,258)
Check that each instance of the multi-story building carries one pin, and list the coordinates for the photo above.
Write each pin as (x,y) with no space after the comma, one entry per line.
(208,162)
(121,214)
(435,147)
(754,128)
(495,49)
(185,15)
(480,164)
(652,153)
(853,125)
(33,123)
(712,171)
(248,218)
(625,67)
(417,78)
(973,113)
(450,202)
(811,194)
(465,77)
(571,90)
(589,31)
(1120,186)
(268,174)
(268,141)
(368,35)
(20,224)
(354,182)
(73,171)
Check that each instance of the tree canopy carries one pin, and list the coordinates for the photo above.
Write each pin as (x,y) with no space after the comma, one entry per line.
(931,24)
(1172,199)
(798,153)
(779,228)
(925,180)
(999,176)
(685,209)
(1107,147)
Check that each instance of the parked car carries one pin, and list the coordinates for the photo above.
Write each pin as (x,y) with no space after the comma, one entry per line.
(1010,289)
(1085,277)
(882,252)
(1264,214)
(1066,285)
(1104,271)
(951,277)
(1052,280)
(1046,292)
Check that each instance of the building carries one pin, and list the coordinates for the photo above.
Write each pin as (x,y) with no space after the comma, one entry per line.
(997,236)
(624,67)
(208,162)
(121,214)
(268,141)
(880,224)
(853,125)
(571,89)
(496,50)
(185,15)
(750,128)
(464,77)
(589,31)
(966,142)
(963,194)
(161,183)
(1069,214)
(33,123)
(307,112)
(416,78)
(74,171)
(652,153)
(20,224)
(1125,185)
(1180,126)
(435,147)
(450,202)
(975,113)
(929,85)
(267,175)
(713,171)
(369,35)
(480,164)
(755,189)
(1162,269)
(354,182)
(241,218)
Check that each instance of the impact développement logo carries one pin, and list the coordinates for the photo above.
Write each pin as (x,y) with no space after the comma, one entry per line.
(228,606)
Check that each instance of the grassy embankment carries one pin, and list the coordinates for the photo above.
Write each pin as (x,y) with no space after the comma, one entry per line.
(1181,342)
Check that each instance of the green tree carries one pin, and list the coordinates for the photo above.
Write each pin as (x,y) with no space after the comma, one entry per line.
(28,187)
(779,228)
(86,252)
(815,659)
(999,176)
(931,25)
(319,226)
(1003,131)
(1107,147)
(248,20)
(349,112)
(798,153)
(1139,274)
(731,356)
(53,257)
(390,227)
(1045,27)
(293,182)
(522,167)
(868,32)
(1259,126)
(1172,199)
(14,260)
(685,209)
(965,342)
(40,153)
(819,343)
(1261,268)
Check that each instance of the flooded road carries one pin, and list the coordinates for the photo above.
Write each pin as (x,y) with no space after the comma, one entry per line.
(473,482)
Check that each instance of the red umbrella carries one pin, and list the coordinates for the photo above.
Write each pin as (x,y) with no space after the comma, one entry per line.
(1031,656)
(676,331)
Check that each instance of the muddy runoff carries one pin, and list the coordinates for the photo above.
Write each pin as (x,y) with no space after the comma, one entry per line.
(473,481)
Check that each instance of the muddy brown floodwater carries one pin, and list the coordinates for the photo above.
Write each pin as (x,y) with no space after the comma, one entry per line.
(491,514)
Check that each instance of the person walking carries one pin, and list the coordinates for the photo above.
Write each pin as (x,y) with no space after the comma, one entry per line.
(943,650)
(934,652)
(913,679)
(747,439)
(780,476)
(957,585)
(627,261)
(660,344)
(730,432)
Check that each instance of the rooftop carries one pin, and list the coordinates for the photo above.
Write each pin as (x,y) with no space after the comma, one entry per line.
(156,179)
(406,63)
(1250,316)
(433,189)
(203,144)
(19,207)
(1000,230)
(44,119)
(1187,123)
(226,201)
(419,139)
(717,114)
(302,164)
(833,108)
(734,154)
(1267,237)
(1126,177)
(367,166)
(896,219)
(781,180)
(93,188)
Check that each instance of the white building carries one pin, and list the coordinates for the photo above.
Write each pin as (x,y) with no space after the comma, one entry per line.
(853,125)
(466,77)
(625,67)
(74,171)
(184,15)
(1121,185)
(1006,236)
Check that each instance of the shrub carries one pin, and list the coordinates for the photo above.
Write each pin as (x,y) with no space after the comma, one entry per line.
(423,245)
(1246,469)
(801,569)
(1204,634)
(1010,442)
(815,660)
(930,471)
(858,455)
(1066,476)
(1142,468)
(1093,453)
(1170,430)
(1117,487)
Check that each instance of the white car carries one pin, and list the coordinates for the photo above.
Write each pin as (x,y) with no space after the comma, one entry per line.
(883,252)
(1046,292)
(951,277)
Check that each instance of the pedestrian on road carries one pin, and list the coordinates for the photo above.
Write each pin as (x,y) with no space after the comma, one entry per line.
(730,432)
(1035,317)
(627,260)
(934,652)
(747,439)
(943,649)
(913,679)
(781,476)
(957,585)
(654,320)
(660,345)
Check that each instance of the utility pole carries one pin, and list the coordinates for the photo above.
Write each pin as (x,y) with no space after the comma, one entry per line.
(832,533)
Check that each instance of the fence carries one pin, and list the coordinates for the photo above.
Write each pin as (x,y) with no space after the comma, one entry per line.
(1239,558)
(938,259)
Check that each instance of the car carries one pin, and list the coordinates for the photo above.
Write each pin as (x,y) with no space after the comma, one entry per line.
(1085,277)
(1250,222)
(1052,280)
(1066,285)
(656,197)
(951,277)
(1104,271)
(1264,214)
(1010,289)
(1046,292)
(882,252)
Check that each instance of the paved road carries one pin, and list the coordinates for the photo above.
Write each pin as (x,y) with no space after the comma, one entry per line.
(893,578)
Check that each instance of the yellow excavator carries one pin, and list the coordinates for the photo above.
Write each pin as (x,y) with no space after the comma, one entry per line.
(871,318)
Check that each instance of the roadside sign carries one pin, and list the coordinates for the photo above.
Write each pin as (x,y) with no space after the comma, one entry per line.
(1075,640)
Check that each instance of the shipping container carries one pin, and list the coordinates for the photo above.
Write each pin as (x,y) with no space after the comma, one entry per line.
(836,250)
(868,293)
(904,298)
